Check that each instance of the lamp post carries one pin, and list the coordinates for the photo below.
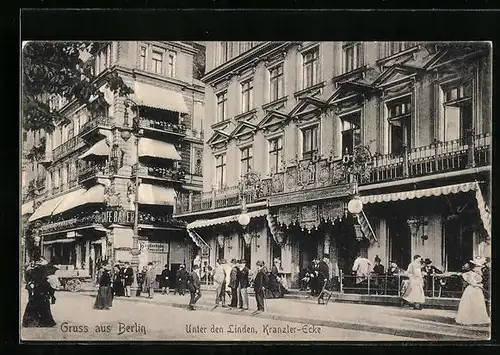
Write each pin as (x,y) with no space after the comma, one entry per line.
(126,134)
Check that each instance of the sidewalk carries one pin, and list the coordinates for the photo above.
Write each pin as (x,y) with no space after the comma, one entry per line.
(426,324)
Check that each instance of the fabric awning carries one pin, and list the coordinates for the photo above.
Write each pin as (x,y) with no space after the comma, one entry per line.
(156,195)
(100,149)
(70,200)
(94,195)
(157,149)
(222,220)
(366,227)
(484,211)
(27,208)
(158,97)
(46,208)
(57,241)
(197,239)
(409,195)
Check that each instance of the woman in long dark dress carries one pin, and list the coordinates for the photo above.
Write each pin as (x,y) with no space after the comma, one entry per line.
(38,313)
(274,283)
(118,289)
(104,295)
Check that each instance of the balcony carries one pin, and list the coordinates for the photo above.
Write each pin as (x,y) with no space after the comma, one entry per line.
(439,157)
(94,125)
(83,219)
(162,126)
(157,220)
(67,147)
(93,171)
(157,172)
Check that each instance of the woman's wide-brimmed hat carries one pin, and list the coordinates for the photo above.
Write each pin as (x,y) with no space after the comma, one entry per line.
(478,261)
(107,267)
(427,261)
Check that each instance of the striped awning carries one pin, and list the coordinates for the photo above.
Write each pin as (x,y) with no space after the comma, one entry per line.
(410,195)
(100,149)
(158,97)
(27,208)
(197,239)
(57,241)
(366,227)
(46,208)
(201,223)
(156,195)
(158,149)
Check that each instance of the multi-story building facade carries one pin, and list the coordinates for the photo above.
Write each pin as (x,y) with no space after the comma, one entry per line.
(109,179)
(285,123)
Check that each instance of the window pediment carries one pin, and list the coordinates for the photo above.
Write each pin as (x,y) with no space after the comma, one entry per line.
(218,139)
(244,131)
(273,121)
(394,75)
(307,105)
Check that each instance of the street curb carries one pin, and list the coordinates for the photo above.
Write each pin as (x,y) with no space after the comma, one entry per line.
(465,335)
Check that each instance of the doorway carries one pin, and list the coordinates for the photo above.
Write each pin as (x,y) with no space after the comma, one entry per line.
(173,272)
(459,245)
(400,240)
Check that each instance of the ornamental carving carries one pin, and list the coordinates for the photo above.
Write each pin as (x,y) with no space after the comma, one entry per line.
(111,196)
(198,161)
(332,210)
(291,178)
(398,90)
(278,182)
(324,175)
(130,192)
(348,105)
(287,216)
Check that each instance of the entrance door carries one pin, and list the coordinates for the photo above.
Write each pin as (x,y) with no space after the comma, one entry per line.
(173,271)
(400,240)
(308,250)
(458,244)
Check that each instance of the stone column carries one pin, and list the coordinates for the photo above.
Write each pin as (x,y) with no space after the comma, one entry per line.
(87,256)
(78,256)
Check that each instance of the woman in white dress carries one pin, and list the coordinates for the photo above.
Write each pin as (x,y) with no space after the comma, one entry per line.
(472,307)
(414,293)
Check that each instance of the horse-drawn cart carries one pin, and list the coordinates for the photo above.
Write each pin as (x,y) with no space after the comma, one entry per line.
(70,278)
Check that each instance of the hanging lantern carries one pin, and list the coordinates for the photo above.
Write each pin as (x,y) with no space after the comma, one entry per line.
(355,206)
(414,225)
(243,219)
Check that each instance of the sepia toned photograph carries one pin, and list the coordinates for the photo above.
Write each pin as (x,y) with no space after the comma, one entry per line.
(255,191)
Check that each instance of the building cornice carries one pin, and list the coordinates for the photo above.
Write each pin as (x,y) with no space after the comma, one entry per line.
(242,62)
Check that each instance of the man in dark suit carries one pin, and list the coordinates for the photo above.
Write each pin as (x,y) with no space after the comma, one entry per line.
(243,283)
(323,272)
(128,278)
(428,271)
(260,283)
(233,284)
(182,276)
(194,287)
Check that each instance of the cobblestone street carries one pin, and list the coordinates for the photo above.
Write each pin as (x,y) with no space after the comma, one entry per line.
(165,318)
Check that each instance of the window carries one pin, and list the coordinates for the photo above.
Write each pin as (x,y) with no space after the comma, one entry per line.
(61,134)
(246,160)
(224,52)
(71,130)
(220,252)
(220,171)
(353,56)
(457,111)
(351,132)
(247,96)
(276,82)
(275,154)
(222,106)
(171,64)
(399,115)
(245,251)
(392,48)
(105,57)
(142,59)
(310,67)
(309,141)
(157,60)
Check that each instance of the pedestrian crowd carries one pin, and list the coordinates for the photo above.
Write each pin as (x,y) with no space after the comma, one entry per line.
(233,280)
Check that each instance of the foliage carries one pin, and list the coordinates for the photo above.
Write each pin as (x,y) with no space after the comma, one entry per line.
(59,68)
(199,61)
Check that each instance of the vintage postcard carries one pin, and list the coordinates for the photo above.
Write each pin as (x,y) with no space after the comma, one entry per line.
(264,191)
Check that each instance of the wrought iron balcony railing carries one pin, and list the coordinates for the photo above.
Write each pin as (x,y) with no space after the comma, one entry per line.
(323,172)
(104,122)
(92,171)
(170,174)
(67,147)
(164,126)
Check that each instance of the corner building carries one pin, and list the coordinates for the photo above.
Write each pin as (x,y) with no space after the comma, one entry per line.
(282,119)
(138,149)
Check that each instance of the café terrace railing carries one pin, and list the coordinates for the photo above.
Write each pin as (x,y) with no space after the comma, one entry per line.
(446,285)
(439,157)
(171,174)
(159,220)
